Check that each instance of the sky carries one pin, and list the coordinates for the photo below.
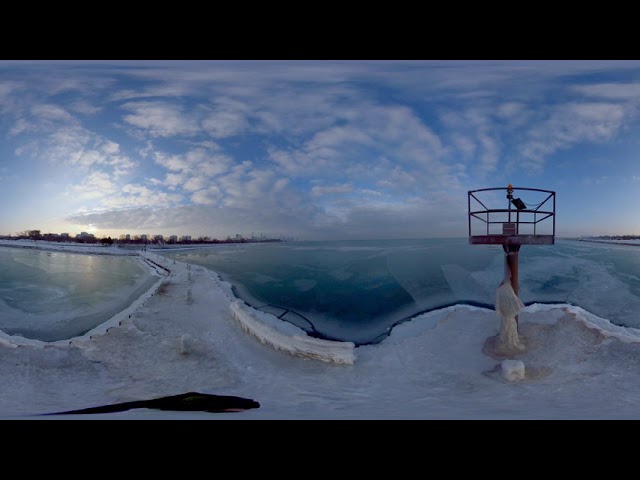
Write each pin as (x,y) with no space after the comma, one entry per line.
(313,149)
(439,365)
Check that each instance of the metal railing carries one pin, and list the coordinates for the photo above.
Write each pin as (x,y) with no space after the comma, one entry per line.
(515,208)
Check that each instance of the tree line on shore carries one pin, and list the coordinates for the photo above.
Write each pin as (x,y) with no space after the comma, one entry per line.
(130,240)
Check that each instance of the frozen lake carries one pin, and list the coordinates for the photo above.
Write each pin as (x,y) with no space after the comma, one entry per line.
(49,296)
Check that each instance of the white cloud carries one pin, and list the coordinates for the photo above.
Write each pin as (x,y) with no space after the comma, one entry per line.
(134,195)
(611,91)
(134,189)
(195,161)
(78,150)
(125,94)
(319,191)
(121,165)
(110,148)
(490,153)
(77,147)
(392,132)
(41,117)
(50,112)
(280,184)
(476,133)
(338,136)
(202,162)
(209,196)
(214,165)
(175,163)
(195,183)
(9,97)
(147,150)
(193,170)
(21,126)
(84,107)
(229,118)
(511,110)
(295,162)
(207,145)
(366,191)
(160,119)
(464,144)
(569,124)
(173,180)
(398,179)
(96,185)
(175,89)
(8,87)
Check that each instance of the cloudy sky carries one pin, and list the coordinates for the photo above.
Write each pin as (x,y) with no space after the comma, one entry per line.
(313,149)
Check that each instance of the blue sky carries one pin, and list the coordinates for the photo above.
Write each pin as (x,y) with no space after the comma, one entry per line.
(313,149)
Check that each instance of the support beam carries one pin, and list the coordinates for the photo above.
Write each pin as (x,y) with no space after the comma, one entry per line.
(511,265)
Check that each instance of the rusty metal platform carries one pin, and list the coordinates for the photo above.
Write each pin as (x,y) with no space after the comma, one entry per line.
(500,239)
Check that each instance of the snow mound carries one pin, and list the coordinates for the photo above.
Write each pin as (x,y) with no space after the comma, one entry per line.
(513,370)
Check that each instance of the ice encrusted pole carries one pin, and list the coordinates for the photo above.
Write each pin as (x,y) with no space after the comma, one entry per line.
(508,306)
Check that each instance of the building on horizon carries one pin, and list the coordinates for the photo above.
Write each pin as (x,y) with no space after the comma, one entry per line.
(85,237)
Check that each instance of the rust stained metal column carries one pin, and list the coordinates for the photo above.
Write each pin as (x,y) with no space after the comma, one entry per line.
(511,265)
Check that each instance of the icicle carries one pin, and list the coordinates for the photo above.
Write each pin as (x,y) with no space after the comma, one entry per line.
(508,306)
(507,302)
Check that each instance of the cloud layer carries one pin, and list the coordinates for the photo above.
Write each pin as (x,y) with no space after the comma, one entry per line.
(318,149)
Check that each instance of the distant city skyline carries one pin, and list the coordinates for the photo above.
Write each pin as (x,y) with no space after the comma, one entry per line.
(316,149)
(37,234)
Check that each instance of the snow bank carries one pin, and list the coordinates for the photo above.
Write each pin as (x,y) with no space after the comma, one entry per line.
(624,334)
(289,338)
(424,322)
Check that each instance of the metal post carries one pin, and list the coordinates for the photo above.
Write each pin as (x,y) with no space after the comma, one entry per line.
(468,210)
(511,264)
(554,214)
(509,197)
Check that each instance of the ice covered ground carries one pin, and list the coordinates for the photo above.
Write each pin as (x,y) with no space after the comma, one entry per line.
(184,336)
(95,249)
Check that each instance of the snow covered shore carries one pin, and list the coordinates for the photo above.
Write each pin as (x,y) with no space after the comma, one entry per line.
(183,337)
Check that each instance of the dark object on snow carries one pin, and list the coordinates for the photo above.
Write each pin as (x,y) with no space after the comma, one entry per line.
(186,402)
